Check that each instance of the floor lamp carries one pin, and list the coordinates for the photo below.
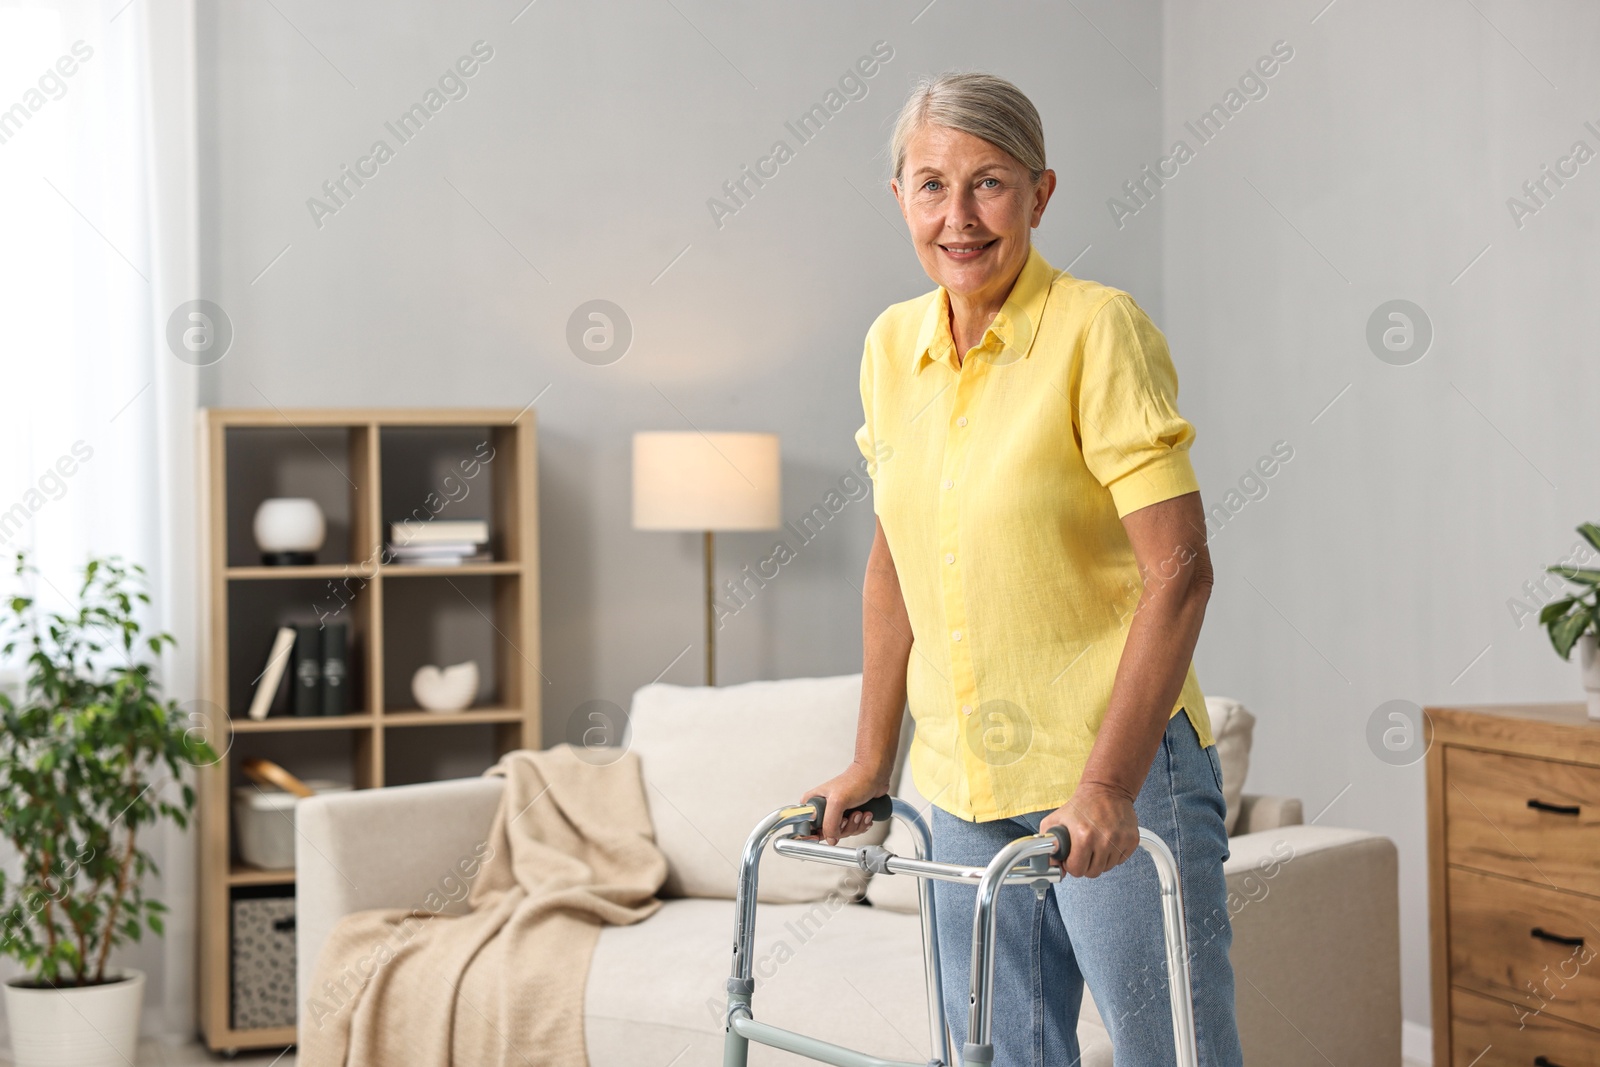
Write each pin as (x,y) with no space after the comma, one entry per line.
(706,482)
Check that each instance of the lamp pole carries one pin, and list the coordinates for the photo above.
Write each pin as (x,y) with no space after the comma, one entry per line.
(711,631)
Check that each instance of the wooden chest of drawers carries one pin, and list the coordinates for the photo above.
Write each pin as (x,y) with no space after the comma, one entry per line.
(1514,883)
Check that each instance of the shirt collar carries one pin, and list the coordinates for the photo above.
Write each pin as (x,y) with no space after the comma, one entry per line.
(1015,325)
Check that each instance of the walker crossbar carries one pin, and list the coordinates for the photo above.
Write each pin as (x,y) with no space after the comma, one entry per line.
(1025,861)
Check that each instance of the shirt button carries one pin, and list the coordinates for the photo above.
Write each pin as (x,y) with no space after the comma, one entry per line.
(966,709)
(949,557)
(949,483)
(955,635)
(962,421)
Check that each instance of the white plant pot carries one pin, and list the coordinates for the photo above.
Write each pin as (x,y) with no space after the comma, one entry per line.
(1589,664)
(97,1026)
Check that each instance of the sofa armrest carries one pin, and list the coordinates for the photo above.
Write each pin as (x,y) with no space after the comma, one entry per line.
(1257,813)
(382,848)
(1316,945)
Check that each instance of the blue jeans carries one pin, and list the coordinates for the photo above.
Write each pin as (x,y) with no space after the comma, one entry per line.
(1105,931)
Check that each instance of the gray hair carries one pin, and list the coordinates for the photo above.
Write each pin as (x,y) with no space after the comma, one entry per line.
(982,105)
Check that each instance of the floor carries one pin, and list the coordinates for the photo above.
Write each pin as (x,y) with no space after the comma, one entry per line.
(155,1054)
(152,1054)
(160,1054)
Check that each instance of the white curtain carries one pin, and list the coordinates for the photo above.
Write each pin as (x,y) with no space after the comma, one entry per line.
(98,177)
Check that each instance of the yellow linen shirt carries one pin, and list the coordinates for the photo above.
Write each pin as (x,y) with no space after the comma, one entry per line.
(1001,484)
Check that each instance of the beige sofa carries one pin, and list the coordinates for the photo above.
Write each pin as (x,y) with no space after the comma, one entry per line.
(1316,927)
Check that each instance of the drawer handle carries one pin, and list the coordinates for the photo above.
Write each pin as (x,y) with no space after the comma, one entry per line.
(1544,1061)
(1544,935)
(1555,809)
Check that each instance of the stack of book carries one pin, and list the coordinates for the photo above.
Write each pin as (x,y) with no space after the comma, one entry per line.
(314,657)
(438,543)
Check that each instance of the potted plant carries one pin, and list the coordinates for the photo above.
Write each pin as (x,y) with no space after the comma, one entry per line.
(85,759)
(1574,621)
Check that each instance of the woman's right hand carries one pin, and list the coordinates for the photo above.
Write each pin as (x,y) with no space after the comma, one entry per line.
(856,785)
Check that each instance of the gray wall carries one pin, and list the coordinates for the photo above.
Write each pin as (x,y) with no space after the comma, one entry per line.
(1380,564)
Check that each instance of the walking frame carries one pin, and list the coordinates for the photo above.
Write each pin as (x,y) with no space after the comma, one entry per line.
(1025,861)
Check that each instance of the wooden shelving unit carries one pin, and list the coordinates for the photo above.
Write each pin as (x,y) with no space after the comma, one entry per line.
(366,468)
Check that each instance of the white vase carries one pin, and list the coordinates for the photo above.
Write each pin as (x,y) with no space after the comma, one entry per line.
(96,1026)
(1589,664)
(289,524)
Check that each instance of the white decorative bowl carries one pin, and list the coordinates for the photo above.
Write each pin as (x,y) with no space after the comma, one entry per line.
(449,689)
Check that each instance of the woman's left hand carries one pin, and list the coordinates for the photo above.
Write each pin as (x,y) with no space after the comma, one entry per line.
(1103,828)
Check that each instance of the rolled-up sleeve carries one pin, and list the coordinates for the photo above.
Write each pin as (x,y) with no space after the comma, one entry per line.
(1134,441)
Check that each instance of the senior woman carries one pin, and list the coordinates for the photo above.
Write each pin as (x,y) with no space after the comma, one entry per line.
(1035,589)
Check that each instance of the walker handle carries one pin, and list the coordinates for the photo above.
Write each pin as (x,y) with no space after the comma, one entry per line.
(1063,842)
(880,808)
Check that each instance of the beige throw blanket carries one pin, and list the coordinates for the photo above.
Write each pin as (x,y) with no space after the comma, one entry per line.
(571,848)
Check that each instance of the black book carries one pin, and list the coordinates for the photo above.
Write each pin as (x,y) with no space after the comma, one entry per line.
(307,682)
(335,672)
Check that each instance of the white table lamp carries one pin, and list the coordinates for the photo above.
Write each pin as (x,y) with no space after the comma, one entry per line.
(706,482)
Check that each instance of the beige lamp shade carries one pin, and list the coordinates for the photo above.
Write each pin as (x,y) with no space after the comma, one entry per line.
(705,481)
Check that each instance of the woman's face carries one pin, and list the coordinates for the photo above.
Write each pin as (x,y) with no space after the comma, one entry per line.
(970,208)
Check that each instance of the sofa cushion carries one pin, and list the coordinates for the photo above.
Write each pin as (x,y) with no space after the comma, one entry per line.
(1234,728)
(845,973)
(718,759)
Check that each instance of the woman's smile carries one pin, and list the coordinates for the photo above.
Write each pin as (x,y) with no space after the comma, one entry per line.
(967,251)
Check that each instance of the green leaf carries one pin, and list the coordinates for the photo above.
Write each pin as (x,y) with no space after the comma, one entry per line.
(1555,609)
(1565,633)
(1591,534)
(1581,575)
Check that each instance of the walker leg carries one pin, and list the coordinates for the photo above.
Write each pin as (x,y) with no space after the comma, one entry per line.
(1177,938)
(979,1049)
(736,1047)
(938,1024)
